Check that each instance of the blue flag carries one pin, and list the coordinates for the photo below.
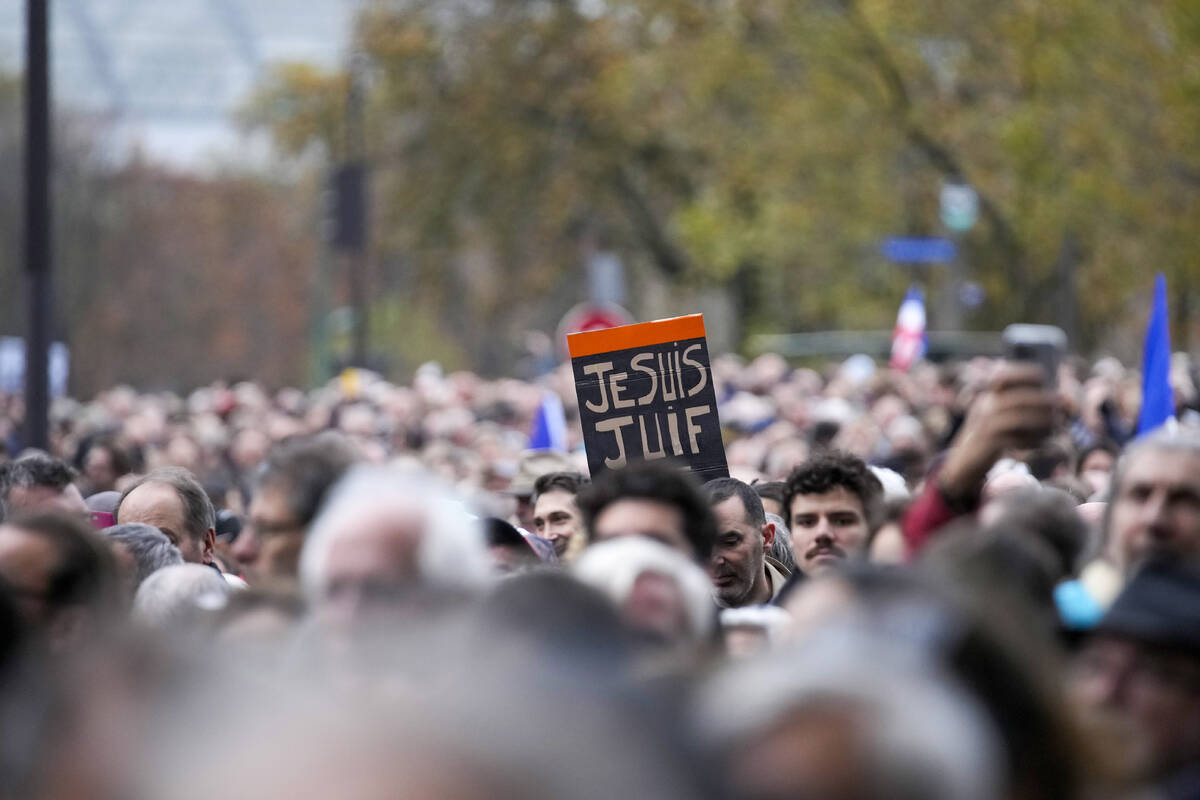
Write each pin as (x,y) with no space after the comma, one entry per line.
(549,425)
(1158,401)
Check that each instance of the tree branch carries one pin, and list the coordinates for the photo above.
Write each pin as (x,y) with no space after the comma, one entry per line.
(939,154)
(670,259)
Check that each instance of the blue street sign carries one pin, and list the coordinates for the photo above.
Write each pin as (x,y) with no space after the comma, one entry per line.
(918,250)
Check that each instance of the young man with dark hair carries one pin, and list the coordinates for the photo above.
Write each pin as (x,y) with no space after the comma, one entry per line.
(556,515)
(739,569)
(832,503)
(654,499)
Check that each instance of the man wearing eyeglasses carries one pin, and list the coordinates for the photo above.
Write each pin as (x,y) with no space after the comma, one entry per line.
(288,491)
(1139,673)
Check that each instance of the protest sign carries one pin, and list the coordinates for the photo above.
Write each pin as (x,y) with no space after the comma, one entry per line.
(646,392)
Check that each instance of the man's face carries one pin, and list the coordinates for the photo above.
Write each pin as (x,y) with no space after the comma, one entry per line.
(23,500)
(827,529)
(1152,696)
(636,516)
(556,517)
(737,560)
(158,504)
(27,563)
(656,606)
(1157,508)
(270,542)
(373,558)
(98,469)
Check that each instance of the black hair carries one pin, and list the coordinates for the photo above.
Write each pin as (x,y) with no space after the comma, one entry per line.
(660,481)
(1103,445)
(770,490)
(835,469)
(122,462)
(33,470)
(792,585)
(570,482)
(1044,461)
(719,490)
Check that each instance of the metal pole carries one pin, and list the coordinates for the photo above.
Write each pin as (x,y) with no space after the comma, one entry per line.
(37,223)
(356,150)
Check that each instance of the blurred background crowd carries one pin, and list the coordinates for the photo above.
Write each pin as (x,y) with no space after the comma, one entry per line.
(474,431)
(951,582)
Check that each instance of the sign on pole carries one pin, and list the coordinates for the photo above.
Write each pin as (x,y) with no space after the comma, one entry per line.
(646,392)
(918,250)
(958,206)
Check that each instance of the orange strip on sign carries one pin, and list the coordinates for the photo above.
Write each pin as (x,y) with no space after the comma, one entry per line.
(626,337)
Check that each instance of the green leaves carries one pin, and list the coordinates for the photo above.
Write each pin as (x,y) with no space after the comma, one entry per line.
(783,140)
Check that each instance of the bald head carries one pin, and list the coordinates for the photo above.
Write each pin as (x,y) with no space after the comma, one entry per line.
(173,501)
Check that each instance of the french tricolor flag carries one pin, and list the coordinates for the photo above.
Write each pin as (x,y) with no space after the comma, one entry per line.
(549,425)
(908,340)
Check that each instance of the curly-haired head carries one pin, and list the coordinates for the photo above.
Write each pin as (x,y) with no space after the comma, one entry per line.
(833,469)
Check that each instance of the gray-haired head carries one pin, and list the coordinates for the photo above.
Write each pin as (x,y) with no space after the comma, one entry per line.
(150,547)
(450,550)
(175,596)
(36,470)
(1169,440)
(781,546)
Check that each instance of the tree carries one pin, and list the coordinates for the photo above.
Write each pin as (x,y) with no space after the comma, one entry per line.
(768,146)
(162,280)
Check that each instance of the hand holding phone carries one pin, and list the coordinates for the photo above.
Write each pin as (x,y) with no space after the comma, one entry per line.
(1044,345)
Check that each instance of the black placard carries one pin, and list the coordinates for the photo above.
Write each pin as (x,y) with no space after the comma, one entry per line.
(649,402)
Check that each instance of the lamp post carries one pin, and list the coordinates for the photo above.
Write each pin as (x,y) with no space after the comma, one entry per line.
(38,265)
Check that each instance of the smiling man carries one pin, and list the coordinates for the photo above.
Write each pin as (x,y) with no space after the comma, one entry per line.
(740,571)
(556,515)
(832,503)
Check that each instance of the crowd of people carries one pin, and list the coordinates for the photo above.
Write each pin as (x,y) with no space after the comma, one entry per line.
(961,581)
